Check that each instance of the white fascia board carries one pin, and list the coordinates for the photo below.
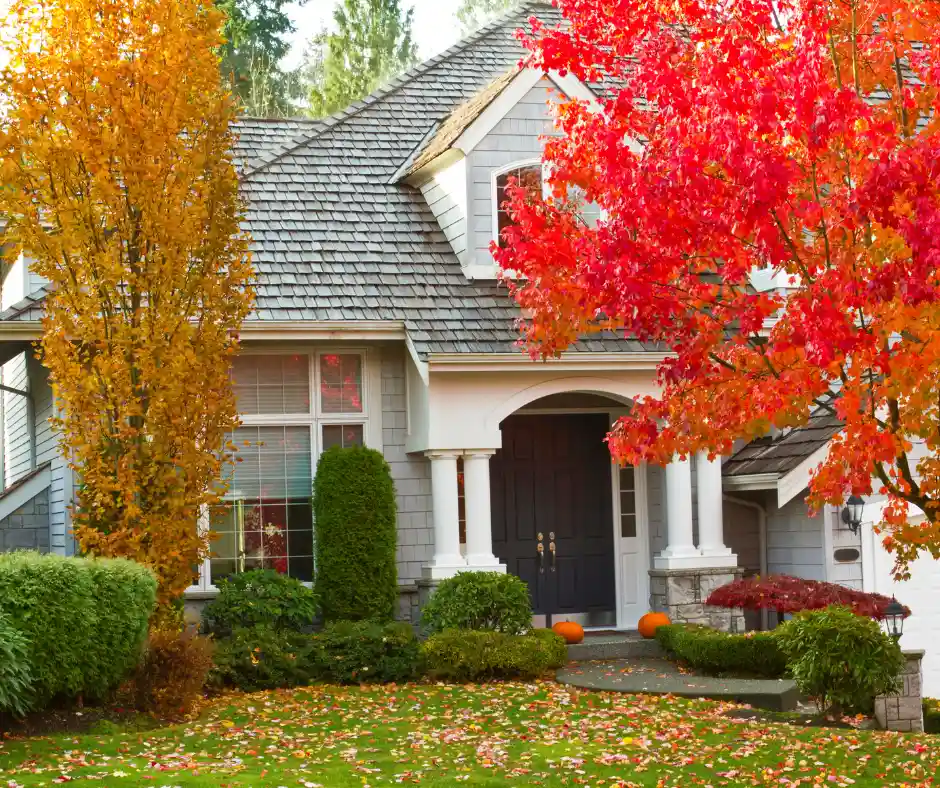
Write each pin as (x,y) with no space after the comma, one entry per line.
(497,109)
(753,481)
(323,329)
(23,494)
(475,362)
(794,482)
(420,365)
(20,330)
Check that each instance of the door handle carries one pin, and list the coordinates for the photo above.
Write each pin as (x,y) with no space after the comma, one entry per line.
(551,549)
(540,549)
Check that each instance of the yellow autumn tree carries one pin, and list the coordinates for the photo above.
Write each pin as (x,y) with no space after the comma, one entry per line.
(118,180)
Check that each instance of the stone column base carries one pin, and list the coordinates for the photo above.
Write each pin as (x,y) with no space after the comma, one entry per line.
(681,594)
(904,711)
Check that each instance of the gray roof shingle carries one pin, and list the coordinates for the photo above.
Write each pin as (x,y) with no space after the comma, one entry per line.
(782,454)
(334,239)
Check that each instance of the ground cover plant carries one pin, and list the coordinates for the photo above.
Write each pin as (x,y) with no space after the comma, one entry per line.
(537,733)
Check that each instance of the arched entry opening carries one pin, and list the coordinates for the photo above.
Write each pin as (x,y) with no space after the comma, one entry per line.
(564,518)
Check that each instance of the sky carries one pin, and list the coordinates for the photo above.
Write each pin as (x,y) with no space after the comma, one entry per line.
(435,25)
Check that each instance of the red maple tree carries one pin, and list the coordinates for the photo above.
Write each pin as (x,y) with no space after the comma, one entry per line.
(793,137)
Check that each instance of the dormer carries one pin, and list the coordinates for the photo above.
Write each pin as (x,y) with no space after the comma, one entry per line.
(464,163)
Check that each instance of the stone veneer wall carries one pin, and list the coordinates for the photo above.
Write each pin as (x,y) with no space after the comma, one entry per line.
(28,527)
(412,477)
(904,711)
(681,594)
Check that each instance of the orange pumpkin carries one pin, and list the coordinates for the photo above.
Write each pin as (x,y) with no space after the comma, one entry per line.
(570,631)
(651,622)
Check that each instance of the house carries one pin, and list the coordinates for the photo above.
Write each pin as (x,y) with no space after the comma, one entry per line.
(379,321)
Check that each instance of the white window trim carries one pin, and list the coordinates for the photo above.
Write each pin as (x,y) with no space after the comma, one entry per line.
(494,191)
(370,417)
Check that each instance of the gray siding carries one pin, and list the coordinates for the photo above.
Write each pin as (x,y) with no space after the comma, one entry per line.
(28,527)
(446,195)
(41,392)
(515,138)
(795,544)
(656,501)
(411,473)
(15,426)
(846,572)
(742,535)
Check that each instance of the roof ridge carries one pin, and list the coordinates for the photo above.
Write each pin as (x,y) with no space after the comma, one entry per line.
(331,121)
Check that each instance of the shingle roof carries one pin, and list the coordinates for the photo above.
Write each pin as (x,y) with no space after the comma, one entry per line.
(782,454)
(29,308)
(335,240)
(457,122)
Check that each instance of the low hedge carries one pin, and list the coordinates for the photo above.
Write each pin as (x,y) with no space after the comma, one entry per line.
(365,652)
(716,652)
(262,658)
(474,655)
(345,652)
(84,620)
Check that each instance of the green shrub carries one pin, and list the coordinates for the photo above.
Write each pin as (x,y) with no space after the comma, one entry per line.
(555,645)
(84,620)
(719,653)
(931,708)
(840,660)
(479,601)
(260,597)
(172,673)
(260,658)
(359,652)
(15,679)
(355,516)
(463,655)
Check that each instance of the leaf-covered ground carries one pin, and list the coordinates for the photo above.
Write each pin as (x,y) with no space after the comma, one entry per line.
(495,734)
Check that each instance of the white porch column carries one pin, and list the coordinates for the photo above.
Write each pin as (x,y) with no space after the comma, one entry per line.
(710,516)
(476,484)
(447,559)
(680,549)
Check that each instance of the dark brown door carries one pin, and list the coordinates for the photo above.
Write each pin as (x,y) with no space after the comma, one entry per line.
(552,480)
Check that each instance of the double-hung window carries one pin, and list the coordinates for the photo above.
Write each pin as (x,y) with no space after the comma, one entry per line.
(292,406)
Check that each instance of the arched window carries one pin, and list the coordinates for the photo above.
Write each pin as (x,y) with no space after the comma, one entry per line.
(528,175)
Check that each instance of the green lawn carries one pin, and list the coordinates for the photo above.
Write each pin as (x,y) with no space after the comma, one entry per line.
(497,734)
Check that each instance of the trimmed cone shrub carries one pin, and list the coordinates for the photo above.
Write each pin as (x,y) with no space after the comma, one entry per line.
(261,658)
(355,516)
(467,655)
(478,601)
(364,652)
(839,659)
(719,653)
(15,679)
(261,597)
(84,620)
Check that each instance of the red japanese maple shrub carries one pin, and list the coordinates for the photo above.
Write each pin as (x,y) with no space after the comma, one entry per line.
(787,594)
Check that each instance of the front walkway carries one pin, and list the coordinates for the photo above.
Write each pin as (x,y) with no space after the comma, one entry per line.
(656,676)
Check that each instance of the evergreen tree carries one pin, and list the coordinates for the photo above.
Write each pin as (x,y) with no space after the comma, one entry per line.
(372,43)
(256,32)
(473,14)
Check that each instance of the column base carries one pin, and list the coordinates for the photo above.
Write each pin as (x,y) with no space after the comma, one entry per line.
(681,594)
(441,570)
(485,563)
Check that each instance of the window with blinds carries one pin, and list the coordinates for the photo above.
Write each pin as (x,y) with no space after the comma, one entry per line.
(266,520)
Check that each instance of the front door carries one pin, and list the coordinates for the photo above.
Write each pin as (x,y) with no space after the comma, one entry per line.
(552,514)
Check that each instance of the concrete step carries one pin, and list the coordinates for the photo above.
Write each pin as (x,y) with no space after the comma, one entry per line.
(613,645)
